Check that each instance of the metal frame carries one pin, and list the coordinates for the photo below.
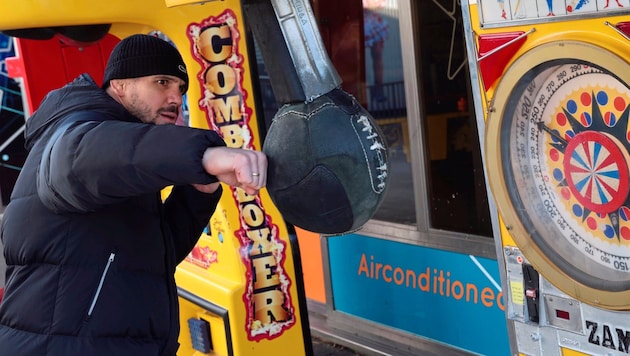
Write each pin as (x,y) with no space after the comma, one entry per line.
(373,338)
(422,234)
(478,97)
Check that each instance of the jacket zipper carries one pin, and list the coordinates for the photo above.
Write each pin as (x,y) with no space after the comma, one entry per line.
(100,283)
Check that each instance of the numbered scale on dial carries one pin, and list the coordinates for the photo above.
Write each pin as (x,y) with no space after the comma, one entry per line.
(558,152)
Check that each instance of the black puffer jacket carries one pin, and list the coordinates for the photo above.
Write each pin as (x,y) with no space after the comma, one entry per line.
(90,248)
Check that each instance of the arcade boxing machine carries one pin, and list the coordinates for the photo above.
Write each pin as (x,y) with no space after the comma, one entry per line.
(552,88)
(240,289)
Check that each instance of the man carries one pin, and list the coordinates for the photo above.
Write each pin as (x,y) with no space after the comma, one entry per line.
(91,249)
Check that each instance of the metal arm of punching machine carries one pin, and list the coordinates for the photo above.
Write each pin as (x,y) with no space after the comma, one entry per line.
(292,49)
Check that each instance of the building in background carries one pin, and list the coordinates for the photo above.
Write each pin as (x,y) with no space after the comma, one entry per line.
(12,153)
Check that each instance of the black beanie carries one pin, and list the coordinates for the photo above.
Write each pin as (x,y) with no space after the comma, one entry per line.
(144,55)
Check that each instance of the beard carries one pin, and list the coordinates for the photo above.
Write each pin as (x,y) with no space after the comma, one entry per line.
(146,114)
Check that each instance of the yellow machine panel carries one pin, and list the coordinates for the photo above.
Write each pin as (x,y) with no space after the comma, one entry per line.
(554,96)
(238,288)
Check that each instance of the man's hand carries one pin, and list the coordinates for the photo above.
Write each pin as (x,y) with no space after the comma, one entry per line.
(241,168)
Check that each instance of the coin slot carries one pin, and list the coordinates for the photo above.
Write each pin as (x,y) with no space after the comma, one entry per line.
(531,281)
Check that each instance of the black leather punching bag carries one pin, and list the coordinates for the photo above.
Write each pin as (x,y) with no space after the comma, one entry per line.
(328,165)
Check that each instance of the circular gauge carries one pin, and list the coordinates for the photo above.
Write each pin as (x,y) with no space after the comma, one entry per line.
(557,152)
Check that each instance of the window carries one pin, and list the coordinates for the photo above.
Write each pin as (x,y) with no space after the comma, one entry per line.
(456,187)
(363,39)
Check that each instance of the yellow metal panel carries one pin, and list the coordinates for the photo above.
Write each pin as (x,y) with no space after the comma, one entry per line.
(597,41)
(593,41)
(172,3)
(245,264)
(568,352)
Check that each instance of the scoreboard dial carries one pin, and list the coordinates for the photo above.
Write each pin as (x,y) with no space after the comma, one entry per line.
(558,153)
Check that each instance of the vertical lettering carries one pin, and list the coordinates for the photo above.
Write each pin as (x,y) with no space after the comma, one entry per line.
(221,79)
(385,277)
(253,215)
(267,297)
(215,43)
(411,279)
(260,241)
(399,276)
(592,337)
(227,109)
(607,338)
(448,284)
(232,135)
(435,283)
(363,266)
(378,270)
(458,290)
(372,267)
(500,303)
(268,307)
(471,289)
(264,268)
(424,280)
(487,296)
(441,279)
(623,339)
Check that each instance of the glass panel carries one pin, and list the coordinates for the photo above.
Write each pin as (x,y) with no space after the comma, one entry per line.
(363,42)
(386,102)
(457,191)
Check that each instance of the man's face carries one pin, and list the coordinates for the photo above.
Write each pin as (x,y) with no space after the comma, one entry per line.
(155,99)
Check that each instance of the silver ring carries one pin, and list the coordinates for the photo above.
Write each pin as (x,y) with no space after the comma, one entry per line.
(255,174)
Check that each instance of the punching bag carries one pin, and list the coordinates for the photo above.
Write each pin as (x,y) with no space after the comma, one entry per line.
(328,165)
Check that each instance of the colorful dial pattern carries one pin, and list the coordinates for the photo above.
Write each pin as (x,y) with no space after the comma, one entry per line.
(596,171)
(568,167)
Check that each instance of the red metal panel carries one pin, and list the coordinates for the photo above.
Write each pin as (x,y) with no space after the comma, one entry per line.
(44,65)
(493,66)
